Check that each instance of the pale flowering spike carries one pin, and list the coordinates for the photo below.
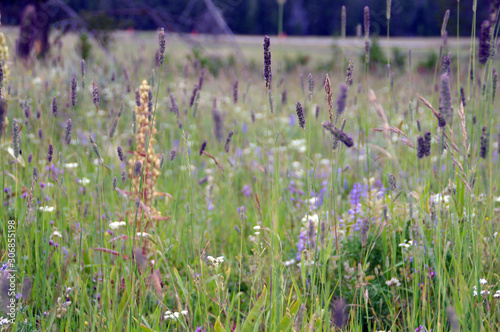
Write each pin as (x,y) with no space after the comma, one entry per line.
(367,22)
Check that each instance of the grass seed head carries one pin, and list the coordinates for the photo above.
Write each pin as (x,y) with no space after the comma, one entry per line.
(54,106)
(162,44)
(445,109)
(120,153)
(484,43)
(73,90)
(67,134)
(203,146)
(367,22)
(485,142)
(228,141)
(267,62)
(95,95)
(235,91)
(50,153)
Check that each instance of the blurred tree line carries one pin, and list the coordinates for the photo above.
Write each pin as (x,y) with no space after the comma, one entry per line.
(301,17)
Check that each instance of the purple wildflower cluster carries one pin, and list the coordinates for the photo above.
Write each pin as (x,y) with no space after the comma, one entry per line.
(53,170)
(247,191)
(319,196)
(357,195)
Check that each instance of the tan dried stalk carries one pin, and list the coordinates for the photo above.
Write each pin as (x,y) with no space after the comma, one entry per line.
(329,96)
(461,115)
(149,160)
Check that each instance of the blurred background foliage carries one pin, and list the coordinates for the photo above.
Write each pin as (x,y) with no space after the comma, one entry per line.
(301,17)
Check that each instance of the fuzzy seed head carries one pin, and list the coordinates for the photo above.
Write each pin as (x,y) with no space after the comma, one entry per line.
(203,146)
(162,160)
(485,43)
(235,91)
(310,80)
(446,64)
(343,22)
(349,73)
(82,69)
(54,106)
(267,62)
(339,134)
(73,90)
(445,22)
(445,110)
(137,98)
(484,143)
(161,42)
(120,153)
(50,153)
(391,179)
(193,96)
(67,134)
(300,115)
(137,168)
(16,138)
(95,95)
(341,100)
(150,101)
(367,22)
(175,107)
(228,141)
(201,78)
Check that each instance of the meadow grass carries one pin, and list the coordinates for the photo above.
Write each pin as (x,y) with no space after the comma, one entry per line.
(278,233)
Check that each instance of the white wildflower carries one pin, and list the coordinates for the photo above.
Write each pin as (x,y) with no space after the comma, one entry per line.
(47,208)
(71,165)
(171,315)
(216,261)
(310,218)
(83,181)
(298,144)
(116,224)
(406,244)
(483,281)
(485,292)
